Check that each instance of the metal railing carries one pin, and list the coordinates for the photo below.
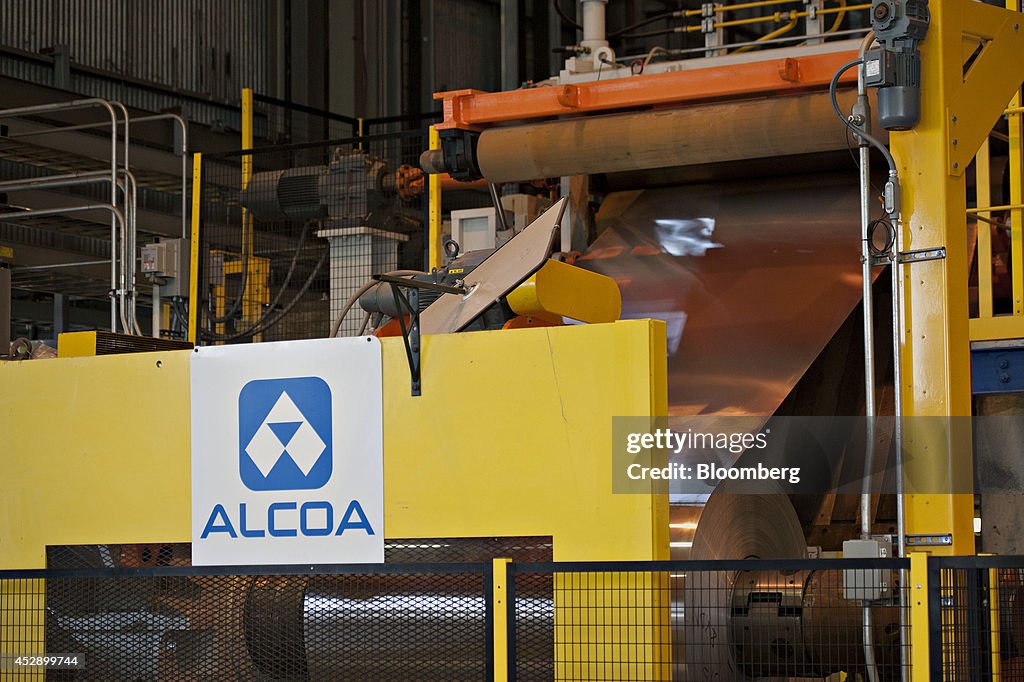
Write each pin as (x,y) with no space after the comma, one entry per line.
(123,236)
(999,253)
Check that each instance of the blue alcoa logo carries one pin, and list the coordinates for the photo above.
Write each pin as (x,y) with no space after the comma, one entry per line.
(285,442)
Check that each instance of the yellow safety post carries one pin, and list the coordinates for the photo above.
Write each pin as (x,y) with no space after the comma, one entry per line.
(246,134)
(958,111)
(193,270)
(434,217)
(920,637)
(499,610)
(993,622)
(983,175)
(251,303)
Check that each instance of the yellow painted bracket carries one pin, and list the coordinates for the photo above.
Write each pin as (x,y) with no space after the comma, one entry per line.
(560,290)
(975,105)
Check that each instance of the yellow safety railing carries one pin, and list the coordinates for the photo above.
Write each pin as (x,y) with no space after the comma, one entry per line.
(987,325)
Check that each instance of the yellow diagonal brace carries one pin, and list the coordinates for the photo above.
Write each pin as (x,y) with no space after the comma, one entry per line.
(976,102)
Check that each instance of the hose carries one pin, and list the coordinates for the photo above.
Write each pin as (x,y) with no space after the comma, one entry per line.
(284,285)
(839,17)
(565,19)
(768,36)
(362,290)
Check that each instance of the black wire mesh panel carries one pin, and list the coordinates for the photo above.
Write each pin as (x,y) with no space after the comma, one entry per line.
(289,233)
(277,121)
(406,622)
(713,620)
(977,613)
(396,550)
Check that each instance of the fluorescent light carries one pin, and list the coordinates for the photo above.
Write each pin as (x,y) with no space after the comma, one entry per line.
(689,525)
(977,524)
(680,544)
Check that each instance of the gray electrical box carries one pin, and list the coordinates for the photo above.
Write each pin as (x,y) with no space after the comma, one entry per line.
(867,584)
(167,263)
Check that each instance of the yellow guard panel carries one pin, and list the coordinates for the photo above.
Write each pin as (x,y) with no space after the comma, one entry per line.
(511,437)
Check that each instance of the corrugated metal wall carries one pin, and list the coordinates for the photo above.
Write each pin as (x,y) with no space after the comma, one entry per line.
(467,44)
(210,48)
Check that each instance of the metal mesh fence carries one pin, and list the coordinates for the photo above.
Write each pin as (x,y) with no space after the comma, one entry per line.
(977,618)
(392,621)
(711,620)
(699,621)
(289,233)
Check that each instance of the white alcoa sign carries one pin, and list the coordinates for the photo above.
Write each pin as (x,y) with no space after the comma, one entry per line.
(287,453)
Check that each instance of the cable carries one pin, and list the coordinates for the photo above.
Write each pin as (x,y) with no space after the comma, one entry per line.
(650,56)
(284,285)
(565,19)
(839,17)
(265,322)
(649,34)
(366,321)
(241,289)
(846,122)
(649,20)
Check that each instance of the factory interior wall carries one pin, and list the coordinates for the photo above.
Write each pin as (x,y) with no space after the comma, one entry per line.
(511,437)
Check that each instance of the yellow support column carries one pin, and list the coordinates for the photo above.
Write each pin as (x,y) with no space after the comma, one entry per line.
(920,634)
(958,111)
(193,271)
(434,188)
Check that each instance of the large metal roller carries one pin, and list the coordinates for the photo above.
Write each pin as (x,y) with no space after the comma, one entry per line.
(711,133)
(748,625)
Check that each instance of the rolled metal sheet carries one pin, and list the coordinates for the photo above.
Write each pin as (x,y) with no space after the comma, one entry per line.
(731,526)
(710,133)
(752,279)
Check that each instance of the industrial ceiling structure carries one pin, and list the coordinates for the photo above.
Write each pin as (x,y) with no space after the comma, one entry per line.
(512,340)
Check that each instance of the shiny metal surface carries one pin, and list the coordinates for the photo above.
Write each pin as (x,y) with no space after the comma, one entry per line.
(730,527)
(660,138)
(753,279)
(503,270)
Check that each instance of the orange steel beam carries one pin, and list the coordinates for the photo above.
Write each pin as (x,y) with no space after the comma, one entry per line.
(449,185)
(475,109)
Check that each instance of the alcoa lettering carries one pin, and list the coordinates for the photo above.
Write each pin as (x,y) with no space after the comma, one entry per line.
(314,519)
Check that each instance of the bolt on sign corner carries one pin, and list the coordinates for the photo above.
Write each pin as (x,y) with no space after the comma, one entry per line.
(287,453)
